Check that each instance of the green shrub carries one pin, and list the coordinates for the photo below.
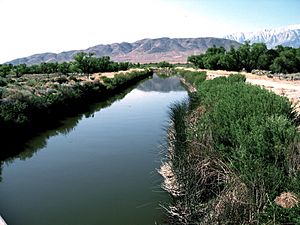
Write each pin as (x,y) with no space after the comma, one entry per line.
(3,82)
(236,78)
(195,78)
(254,133)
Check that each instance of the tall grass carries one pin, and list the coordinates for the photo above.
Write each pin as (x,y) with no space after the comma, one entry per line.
(240,150)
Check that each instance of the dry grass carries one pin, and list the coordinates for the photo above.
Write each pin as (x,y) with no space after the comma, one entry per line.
(287,200)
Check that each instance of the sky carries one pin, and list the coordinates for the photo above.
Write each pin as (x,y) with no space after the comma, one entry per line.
(37,26)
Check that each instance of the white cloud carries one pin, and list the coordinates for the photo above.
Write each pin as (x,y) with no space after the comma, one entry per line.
(35,26)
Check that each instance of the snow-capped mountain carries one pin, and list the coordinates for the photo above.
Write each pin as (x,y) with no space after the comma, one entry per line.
(286,36)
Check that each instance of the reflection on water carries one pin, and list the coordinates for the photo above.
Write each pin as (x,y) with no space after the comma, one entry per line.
(65,126)
(161,84)
(98,167)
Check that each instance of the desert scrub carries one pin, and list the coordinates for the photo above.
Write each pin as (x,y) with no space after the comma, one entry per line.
(240,152)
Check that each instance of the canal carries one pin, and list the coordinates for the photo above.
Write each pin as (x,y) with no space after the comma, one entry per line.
(98,167)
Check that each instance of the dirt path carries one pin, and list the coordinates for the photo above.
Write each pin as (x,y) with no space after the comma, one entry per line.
(290,89)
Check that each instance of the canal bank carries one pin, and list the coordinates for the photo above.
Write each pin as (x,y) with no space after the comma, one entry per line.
(233,156)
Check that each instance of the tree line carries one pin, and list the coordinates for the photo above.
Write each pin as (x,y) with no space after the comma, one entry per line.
(85,63)
(249,57)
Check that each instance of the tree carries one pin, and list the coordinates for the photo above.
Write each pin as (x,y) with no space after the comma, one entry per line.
(48,68)
(84,62)
(34,69)
(232,60)
(287,62)
(5,69)
(196,60)
(245,56)
(165,64)
(64,68)
(20,70)
(103,64)
(267,59)
(258,55)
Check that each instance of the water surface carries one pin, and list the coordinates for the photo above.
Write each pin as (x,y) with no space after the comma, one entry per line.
(98,168)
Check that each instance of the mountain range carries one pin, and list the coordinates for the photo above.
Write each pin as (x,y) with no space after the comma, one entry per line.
(286,36)
(143,51)
(174,50)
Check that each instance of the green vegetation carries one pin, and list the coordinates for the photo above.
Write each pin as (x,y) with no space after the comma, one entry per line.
(194,78)
(235,151)
(249,57)
(85,63)
(165,64)
(31,102)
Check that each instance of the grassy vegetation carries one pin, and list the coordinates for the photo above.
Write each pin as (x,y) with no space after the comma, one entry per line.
(235,154)
(32,102)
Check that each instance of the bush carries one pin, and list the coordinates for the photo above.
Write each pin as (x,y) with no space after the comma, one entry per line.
(3,82)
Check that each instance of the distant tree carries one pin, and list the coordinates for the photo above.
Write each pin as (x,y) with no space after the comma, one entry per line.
(64,68)
(245,56)
(34,69)
(104,64)
(48,68)
(124,65)
(164,64)
(267,59)
(215,50)
(85,62)
(5,69)
(196,60)
(258,55)
(287,62)
(232,60)
(20,69)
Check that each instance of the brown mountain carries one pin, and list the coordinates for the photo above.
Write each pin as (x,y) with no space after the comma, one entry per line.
(143,51)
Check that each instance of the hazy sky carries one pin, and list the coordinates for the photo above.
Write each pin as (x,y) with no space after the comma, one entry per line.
(36,26)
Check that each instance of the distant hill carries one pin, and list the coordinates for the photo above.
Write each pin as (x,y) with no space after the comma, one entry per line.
(286,36)
(144,51)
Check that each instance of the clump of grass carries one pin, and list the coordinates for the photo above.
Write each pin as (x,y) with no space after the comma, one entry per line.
(287,200)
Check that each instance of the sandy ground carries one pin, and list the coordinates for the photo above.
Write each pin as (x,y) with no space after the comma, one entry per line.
(290,89)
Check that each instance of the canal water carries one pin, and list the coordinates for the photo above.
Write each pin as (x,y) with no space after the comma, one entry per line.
(98,168)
